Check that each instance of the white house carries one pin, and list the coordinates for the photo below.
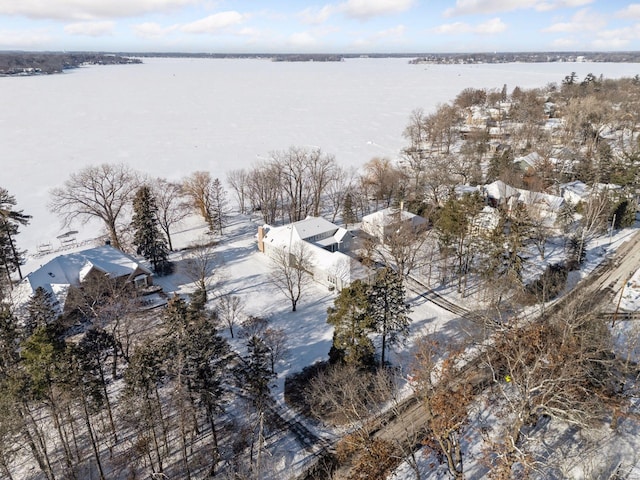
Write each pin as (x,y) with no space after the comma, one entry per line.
(71,270)
(531,160)
(575,191)
(499,193)
(485,221)
(383,223)
(326,244)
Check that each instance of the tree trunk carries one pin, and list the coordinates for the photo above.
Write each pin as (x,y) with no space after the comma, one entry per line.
(16,260)
(113,235)
(108,404)
(5,467)
(61,435)
(38,449)
(71,422)
(94,446)
(183,445)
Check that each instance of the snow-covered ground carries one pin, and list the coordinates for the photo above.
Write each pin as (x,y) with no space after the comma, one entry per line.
(170,117)
(245,272)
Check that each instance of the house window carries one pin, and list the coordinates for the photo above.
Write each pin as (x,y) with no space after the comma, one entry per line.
(331,279)
(140,281)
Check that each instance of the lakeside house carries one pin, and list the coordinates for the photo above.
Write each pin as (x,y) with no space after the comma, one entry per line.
(499,193)
(64,273)
(327,245)
(383,223)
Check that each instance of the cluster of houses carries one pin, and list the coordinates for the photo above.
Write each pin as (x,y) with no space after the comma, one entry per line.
(331,249)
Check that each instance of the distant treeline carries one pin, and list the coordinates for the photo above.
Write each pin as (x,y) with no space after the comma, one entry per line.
(35,63)
(40,63)
(493,57)
(528,57)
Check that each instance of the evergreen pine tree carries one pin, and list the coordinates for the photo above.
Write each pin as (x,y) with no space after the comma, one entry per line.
(92,352)
(255,373)
(40,311)
(196,357)
(9,353)
(218,207)
(387,309)
(10,219)
(147,237)
(352,324)
(348,214)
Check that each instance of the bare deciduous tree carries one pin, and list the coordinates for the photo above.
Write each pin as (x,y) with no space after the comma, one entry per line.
(102,191)
(229,309)
(239,181)
(291,271)
(386,180)
(171,208)
(445,399)
(561,368)
(303,178)
(404,248)
(264,191)
(208,197)
(198,266)
(594,214)
(337,189)
(276,341)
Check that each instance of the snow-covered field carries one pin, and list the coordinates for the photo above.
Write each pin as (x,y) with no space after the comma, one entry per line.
(170,117)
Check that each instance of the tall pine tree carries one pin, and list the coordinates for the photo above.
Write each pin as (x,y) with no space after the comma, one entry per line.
(40,311)
(10,220)
(387,309)
(352,325)
(147,235)
(218,207)
(348,212)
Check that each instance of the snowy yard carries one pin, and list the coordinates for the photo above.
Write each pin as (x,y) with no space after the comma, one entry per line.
(244,272)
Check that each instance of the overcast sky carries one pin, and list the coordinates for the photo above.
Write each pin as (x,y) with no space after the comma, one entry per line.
(348,26)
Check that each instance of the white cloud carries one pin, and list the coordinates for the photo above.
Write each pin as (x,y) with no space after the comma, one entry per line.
(632,11)
(582,21)
(88,9)
(249,32)
(315,16)
(490,27)
(152,30)
(554,5)
(610,44)
(616,38)
(24,39)
(90,29)
(472,7)
(302,39)
(452,28)
(394,32)
(565,43)
(214,23)
(365,9)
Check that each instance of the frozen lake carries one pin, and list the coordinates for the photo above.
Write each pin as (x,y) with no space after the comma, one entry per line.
(170,117)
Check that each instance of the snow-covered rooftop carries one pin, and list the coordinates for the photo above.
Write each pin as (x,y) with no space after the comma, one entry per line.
(63,271)
(391,215)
